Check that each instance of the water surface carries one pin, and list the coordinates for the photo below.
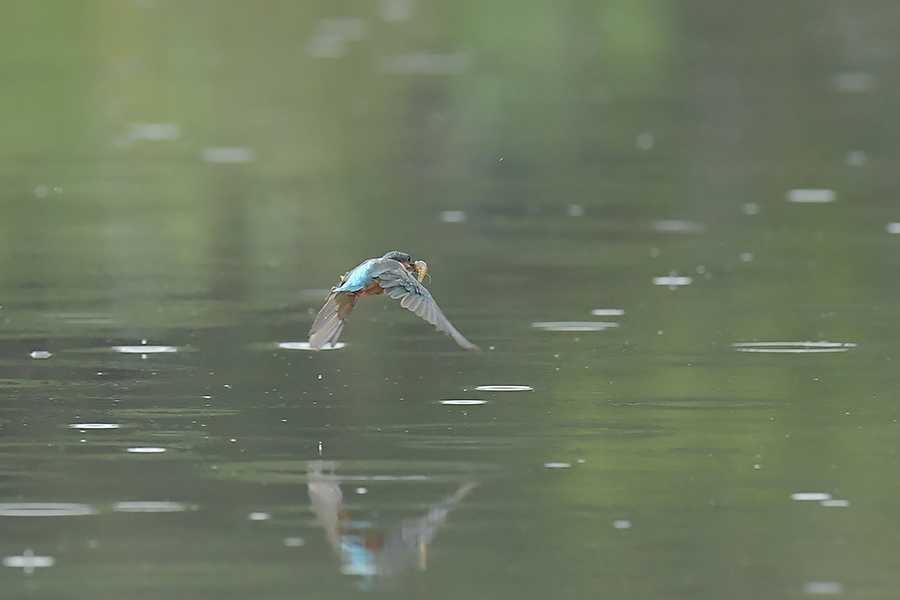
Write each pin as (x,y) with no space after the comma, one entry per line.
(671,227)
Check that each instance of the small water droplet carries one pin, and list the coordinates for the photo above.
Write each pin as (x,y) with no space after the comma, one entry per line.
(453,216)
(645,140)
(823,588)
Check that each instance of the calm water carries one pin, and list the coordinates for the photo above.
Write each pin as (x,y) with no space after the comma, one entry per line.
(671,226)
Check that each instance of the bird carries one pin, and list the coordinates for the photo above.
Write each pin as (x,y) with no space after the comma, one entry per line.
(394,274)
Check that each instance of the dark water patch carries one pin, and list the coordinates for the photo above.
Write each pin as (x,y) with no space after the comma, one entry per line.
(704,403)
(173,412)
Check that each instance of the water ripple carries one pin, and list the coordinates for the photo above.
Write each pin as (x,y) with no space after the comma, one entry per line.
(144,349)
(145,450)
(463,402)
(811,196)
(94,426)
(810,496)
(306,346)
(150,506)
(28,561)
(504,388)
(574,325)
(793,347)
(672,280)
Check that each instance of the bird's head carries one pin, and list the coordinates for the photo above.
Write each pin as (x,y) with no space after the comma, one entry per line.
(400,257)
(403,258)
(417,269)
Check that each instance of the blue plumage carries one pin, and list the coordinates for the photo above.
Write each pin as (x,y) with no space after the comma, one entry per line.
(358,278)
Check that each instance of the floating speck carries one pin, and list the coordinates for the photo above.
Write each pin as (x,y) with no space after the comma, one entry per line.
(622,524)
(362,490)
(823,587)
(40,354)
(574,325)
(746,257)
(893,227)
(259,516)
(453,216)
(678,226)
(150,506)
(810,496)
(142,349)
(608,312)
(93,426)
(793,347)
(645,140)
(28,561)
(306,346)
(293,542)
(811,196)
(228,155)
(463,402)
(835,503)
(856,158)
(557,465)
(145,450)
(854,82)
(395,10)
(504,388)
(750,208)
(672,280)
(575,210)
(154,132)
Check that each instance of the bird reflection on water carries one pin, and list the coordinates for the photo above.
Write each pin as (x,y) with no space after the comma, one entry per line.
(368,549)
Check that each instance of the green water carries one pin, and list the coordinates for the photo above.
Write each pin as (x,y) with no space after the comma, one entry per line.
(181,182)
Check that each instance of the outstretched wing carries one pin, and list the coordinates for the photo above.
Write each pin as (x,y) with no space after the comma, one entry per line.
(330,321)
(398,283)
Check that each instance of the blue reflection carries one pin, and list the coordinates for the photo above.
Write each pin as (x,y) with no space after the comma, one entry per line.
(369,549)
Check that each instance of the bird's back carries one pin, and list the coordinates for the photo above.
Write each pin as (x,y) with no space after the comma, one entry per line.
(358,277)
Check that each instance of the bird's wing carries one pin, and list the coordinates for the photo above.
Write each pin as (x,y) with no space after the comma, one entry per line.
(330,321)
(398,283)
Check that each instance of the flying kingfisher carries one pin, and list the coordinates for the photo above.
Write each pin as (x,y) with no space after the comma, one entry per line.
(394,274)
